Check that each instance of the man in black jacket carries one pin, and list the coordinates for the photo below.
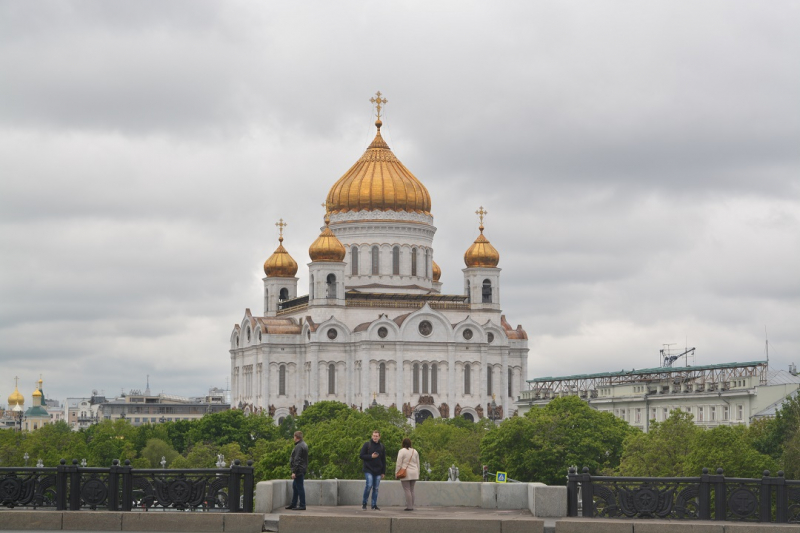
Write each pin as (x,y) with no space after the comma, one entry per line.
(299,465)
(374,456)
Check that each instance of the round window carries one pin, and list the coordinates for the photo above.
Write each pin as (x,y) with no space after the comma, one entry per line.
(490,336)
(425,328)
(332,334)
(382,332)
(468,334)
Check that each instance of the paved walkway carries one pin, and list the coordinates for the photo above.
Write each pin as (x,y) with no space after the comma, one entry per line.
(419,512)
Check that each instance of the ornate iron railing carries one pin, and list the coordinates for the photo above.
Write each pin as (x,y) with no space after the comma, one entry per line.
(708,497)
(124,488)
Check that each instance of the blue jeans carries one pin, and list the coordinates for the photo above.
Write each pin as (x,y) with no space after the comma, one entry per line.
(298,490)
(373,480)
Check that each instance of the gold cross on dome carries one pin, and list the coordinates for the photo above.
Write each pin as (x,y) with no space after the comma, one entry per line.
(481,212)
(378,103)
(281,224)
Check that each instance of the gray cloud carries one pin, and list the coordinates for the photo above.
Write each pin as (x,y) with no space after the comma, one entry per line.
(639,163)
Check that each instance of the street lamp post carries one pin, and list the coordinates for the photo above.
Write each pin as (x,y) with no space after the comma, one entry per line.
(26,457)
(163,462)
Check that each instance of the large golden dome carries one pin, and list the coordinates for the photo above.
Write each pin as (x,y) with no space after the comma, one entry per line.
(280,264)
(16,398)
(327,248)
(378,182)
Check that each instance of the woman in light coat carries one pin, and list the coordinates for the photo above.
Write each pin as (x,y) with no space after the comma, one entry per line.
(408,458)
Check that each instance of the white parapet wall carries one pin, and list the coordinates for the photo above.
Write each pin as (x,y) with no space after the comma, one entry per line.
(543,501)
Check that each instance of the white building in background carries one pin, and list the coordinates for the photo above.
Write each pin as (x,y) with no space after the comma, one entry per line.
(723,394)
(374,325)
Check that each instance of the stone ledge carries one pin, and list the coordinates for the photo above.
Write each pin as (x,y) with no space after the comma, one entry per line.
(172,521)
(92,521)
(30,520)
(445,525)
(299,523)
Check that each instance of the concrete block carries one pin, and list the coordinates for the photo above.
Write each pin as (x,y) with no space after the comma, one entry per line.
(444,494)
(172,521)
(43,520)
(761,528)
(512,495)
(489,495)
(328,492)
(443,525)
(303,523)
(92,521)
(547,502)
(263,498)
(390,493)
(521,525)
(281,493)
(593,525)
(680,526)
(243,522)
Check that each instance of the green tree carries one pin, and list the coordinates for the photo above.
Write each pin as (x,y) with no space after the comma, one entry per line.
(111,440)
(232,426)
(727,447)
(444,442)
(544,443)
(319,412)
(663,450)
(198,456)
(155,450)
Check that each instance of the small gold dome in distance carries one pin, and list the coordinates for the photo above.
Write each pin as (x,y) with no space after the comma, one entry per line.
(327,248)
(16,398)
(437,272)
(481,254)
(280,264)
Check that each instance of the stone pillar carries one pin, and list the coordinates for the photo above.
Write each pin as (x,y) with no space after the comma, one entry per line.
(314,358)
(504,381)
(451,379)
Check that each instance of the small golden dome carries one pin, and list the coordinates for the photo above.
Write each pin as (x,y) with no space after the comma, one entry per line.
(280,264)
(378,182)
(327,248)
(437,272)
(16,398)
(481,254)
(36,393)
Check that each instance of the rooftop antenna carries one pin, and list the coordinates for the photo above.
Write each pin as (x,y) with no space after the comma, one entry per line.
(668,355)
(766,343)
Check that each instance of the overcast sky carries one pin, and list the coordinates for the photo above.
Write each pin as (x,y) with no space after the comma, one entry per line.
(640,163)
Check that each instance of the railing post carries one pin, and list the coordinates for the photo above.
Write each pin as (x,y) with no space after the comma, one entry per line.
(249,486)
(765,498)
(720,499)
(233,487)
(127,485)
(587,496)
(781,498)
(572,492)
(74,486)
(61,485)
(113,486)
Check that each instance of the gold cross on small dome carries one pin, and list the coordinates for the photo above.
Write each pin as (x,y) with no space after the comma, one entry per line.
(379,102)
(281,224)
(481,212)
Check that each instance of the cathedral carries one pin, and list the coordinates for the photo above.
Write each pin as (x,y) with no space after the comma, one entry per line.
(374,327)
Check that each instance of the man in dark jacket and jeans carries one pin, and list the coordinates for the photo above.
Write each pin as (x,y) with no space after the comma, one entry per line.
(299,465)
(374,456)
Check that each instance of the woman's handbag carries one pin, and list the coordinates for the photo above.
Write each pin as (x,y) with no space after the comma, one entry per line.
(402,472)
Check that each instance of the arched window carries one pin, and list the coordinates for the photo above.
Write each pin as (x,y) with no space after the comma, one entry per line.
(331,292)
(427,270)
(376,257)
(282,380)
(311,289)
(415,378)
(469,292)
(467,379)
(382,378)
(510,381)
(434,371)
(487,291)
(396,260)
(331,379)
(413,261)
(489,380)
(284,295)
(354,261)
(425,378)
